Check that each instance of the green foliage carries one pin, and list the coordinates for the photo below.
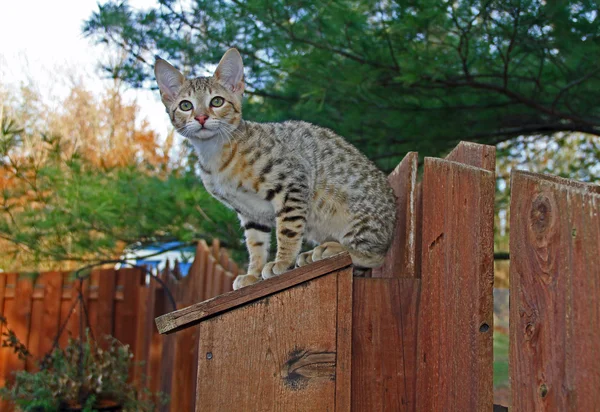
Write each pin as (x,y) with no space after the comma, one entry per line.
(389,76)
(501,342)
(82,374)
(10,340)
(57,208)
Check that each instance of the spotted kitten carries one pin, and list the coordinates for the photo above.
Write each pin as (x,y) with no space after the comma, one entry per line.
(302,179)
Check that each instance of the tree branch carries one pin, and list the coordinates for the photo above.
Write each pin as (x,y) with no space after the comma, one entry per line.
(573,84)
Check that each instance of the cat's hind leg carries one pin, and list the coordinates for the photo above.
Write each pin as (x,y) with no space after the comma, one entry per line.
(363,259)
(322,251)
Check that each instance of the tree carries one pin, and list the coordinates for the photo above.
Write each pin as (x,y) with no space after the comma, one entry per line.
(390,76)
(89,179)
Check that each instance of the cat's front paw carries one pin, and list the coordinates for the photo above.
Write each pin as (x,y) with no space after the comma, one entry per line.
(244,280)
(275,268)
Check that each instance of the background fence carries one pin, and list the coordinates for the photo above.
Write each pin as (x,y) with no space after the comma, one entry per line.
(122,303)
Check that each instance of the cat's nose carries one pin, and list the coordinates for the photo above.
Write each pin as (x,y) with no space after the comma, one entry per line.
(201,118)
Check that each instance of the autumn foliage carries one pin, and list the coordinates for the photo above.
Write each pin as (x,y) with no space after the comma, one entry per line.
(84,176)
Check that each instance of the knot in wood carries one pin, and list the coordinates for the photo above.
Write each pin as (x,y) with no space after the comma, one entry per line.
(302,366)
(541,214)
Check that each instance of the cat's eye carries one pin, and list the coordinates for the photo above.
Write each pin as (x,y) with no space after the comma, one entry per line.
(217,101)
(186,105)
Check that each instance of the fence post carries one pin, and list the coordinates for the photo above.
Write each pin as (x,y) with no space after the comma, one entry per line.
(554,294)
(385,308)
(455,328)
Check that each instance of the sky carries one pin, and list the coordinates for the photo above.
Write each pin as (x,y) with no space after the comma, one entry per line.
(41,37)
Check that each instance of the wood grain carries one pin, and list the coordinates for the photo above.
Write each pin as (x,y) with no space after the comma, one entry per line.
(51,318)
(19,320)
(10,280)
(401,258)
(128,281)
(36,321)
(474,154)
(554,294)
(384,316)
(78,317)
(193,314)
(276,353)
(144,329)
(105,315)
(343,371)
(456,308)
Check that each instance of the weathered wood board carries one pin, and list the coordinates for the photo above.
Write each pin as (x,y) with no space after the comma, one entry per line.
(289,350)
(554,294)
(455,324)
(400,261)
(384,318)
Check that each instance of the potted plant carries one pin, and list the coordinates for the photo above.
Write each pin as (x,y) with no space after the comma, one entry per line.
(81,377)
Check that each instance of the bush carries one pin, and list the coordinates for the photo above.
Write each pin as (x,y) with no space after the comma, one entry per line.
(82,376)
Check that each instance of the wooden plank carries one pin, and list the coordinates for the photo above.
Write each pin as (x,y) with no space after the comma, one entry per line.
(126,309)
(51,312)
(185,364)
(215,246)
(19,320)
(474,154)
(343,366)
(227,282)
(456,309)
(105,305)
(557,180)
(36,322)
(168,385)
(2,297)
(78,317)
(209,277)
(218,276)
(156,373)
(554,290)
(2,292)
(4,280)
(198,271)
(384,344)
(264,354)
(92,304)
(401,259)
(193,314)
(4,405)
(9,304)
(167,364)
(65,309)
(144,329)
(185,369)
(419,229)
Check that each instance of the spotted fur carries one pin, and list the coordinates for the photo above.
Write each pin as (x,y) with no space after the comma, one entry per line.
(303,180)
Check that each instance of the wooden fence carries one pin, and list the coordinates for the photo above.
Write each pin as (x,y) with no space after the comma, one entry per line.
(122,303)
(422,325)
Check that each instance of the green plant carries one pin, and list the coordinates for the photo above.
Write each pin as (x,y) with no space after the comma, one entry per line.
(10,340)
(82,376)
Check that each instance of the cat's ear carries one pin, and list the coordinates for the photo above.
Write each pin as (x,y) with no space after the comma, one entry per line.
(169,80)
(230,71)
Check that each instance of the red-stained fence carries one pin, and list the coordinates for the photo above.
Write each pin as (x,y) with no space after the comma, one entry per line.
(122,303)
(422,324)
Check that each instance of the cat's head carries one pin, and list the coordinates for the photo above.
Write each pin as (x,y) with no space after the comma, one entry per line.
(204,107)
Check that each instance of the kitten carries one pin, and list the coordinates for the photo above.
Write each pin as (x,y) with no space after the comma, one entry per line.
(303,180)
